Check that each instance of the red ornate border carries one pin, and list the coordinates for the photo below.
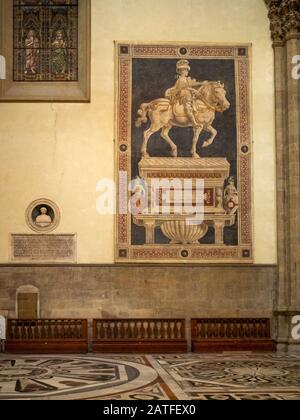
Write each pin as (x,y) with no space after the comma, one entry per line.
(125,252)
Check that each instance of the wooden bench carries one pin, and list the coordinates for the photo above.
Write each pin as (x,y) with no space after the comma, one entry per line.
(229,334)
(139,336)
(45,336)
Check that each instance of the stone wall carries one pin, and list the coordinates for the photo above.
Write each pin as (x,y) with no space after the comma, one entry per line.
(285,32)
(60,151)
(144,291)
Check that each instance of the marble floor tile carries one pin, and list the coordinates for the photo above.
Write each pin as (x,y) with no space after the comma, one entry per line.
(236,376)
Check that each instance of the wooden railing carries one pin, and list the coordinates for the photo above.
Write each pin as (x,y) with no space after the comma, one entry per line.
(231,333)
(49,329)
(139,335)
(140,329)
(47,335)
(235,328)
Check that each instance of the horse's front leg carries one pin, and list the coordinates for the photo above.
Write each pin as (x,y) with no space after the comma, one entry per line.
(197,132)
(213,132)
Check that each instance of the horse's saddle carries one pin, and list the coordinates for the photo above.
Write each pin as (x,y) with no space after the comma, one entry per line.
(178,109)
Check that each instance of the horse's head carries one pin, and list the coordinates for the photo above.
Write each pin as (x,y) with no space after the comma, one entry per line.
(214,94)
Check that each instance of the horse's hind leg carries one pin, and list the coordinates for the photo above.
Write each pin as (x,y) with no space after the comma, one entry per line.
(165,135)
(147,134)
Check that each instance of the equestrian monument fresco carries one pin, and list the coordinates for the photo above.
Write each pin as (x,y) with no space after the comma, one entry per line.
(182,143)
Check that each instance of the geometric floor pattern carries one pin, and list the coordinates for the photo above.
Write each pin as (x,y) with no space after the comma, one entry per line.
(226,376)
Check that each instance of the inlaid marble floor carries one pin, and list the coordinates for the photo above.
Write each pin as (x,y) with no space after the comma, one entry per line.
(160,377)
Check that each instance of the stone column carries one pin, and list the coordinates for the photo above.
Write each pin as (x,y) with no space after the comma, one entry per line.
(219,233)
(284,18)
(150,232)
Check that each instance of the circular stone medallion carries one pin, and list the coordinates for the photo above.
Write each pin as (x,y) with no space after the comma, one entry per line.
(42,215)
(70,378)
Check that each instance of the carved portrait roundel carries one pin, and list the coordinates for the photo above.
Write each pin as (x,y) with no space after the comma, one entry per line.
(42,215)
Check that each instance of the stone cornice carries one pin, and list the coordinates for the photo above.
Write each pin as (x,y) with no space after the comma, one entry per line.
(284,18)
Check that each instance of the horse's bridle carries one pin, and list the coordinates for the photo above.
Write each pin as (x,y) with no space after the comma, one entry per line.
(206,103)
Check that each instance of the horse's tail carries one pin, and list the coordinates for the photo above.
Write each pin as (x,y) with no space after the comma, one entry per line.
(142,115)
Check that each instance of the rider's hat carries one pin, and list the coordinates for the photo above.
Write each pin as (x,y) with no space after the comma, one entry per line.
(182,64)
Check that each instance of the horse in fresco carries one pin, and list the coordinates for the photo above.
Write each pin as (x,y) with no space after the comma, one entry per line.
(165,114)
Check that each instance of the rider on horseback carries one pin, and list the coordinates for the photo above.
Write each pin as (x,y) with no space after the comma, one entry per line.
(184,90)
(198,109)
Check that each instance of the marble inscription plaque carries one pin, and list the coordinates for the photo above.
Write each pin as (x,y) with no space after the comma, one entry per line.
(44,248)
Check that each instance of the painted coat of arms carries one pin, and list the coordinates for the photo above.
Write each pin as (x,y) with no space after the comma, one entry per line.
(183,153)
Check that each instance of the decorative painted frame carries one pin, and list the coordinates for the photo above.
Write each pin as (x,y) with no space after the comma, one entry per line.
(46,91)
(125,251)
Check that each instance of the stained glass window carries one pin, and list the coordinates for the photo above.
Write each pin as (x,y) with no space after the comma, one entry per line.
(45,40)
